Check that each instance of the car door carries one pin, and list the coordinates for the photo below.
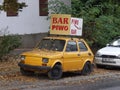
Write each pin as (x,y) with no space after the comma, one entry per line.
(84,53)
(71,56)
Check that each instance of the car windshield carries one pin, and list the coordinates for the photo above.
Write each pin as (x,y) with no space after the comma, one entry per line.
(115,43)
(52,44)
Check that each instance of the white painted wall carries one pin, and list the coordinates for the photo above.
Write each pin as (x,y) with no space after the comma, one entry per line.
(28,21)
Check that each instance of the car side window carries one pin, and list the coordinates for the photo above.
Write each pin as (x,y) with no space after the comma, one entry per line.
(71,46)
(82,46)
(116,43)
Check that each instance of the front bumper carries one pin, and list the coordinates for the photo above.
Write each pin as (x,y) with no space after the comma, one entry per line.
(36,68)
(107,61)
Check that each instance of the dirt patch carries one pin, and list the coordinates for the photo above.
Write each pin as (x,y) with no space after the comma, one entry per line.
(11,78)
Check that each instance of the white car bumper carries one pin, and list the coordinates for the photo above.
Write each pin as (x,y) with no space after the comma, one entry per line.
(107,61)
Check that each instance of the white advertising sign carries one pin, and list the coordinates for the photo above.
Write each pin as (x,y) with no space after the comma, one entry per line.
(76,26)
(63,24)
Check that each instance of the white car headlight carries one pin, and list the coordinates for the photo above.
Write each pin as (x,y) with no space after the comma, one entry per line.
(45,60)
(98,54)
(22,57)
(118,56)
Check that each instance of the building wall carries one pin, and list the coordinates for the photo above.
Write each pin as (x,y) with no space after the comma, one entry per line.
(31,40)
(28,21)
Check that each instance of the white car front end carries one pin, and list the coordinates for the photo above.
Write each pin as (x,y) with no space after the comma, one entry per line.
(109,55)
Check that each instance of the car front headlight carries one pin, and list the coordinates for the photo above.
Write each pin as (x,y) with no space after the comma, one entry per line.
(118,56)
(45,60)
(98,54)
(22,57)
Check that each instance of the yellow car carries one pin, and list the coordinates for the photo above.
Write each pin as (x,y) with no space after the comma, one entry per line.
(55,55)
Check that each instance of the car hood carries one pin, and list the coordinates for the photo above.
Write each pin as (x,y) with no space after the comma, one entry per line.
(110,51)
(43,53)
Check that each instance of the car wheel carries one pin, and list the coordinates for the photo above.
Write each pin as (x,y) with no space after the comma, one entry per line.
(86,69)
(55,73)
(25,72)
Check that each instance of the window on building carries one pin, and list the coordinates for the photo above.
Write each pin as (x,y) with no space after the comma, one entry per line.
(43,7)
(10,11)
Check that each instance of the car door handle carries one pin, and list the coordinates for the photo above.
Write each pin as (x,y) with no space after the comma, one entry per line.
(89,54)
(78,54)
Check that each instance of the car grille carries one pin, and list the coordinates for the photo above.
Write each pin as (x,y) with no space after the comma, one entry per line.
(109,56)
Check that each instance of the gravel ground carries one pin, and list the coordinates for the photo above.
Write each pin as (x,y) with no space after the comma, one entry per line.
(11,79)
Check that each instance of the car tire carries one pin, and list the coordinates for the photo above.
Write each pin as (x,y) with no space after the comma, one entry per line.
(87,69)
(25,72)
(55,73)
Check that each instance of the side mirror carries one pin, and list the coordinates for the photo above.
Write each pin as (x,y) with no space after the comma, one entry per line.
(107,45)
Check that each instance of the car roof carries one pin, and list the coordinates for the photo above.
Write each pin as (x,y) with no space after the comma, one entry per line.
(63,38)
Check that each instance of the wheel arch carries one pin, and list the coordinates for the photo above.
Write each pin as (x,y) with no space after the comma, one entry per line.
(87,68)
(57,62)
(55,67)
(89,61)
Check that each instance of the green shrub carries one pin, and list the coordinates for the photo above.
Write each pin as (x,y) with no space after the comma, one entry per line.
(101,20)
(8,43)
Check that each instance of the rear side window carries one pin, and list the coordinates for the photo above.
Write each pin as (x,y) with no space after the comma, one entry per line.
(82,46)
(71,46)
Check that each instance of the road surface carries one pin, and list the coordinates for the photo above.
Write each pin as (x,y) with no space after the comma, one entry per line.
(103,84)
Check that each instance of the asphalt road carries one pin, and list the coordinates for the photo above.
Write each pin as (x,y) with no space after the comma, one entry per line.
(103,84)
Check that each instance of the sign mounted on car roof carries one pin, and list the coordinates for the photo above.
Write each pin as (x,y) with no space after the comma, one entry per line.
(63,24)
(60,24)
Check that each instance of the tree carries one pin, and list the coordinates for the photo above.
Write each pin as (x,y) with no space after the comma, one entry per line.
(58,7)
(13,5)
(101,19)
(10,42)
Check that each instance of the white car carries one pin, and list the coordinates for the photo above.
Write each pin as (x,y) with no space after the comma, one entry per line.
(109,55)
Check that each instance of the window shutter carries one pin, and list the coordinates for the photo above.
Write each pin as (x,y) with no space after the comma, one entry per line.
(11,13)
(43,7)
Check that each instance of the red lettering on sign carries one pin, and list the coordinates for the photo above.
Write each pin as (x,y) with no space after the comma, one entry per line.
(65,20)
(60,28)
(54,20)
(73,31)
(60,20)
(76,22)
